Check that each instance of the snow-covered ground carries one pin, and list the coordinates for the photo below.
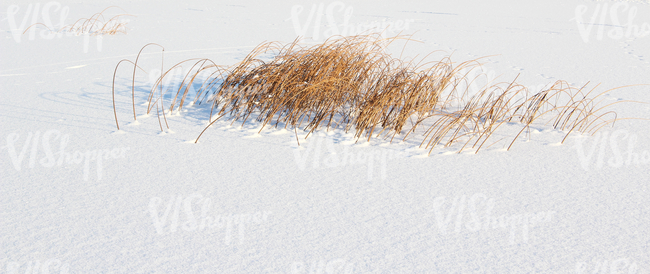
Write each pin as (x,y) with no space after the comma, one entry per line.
(78,196)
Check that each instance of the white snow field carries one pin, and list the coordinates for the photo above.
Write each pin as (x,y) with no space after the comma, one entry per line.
(79,196)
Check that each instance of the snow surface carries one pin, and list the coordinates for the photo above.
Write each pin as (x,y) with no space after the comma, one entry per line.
(242,202)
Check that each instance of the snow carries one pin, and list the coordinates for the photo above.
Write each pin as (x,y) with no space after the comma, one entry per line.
(79,196)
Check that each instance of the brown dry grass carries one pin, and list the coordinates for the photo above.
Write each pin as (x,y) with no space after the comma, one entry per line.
(95,25)
(352,84)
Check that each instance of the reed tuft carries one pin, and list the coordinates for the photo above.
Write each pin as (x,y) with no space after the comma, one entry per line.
(353,84)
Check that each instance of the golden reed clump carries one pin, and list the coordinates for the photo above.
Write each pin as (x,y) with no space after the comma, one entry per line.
(353,84)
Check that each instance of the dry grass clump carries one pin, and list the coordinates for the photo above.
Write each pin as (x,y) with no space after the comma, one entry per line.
(353,84)
(95,25)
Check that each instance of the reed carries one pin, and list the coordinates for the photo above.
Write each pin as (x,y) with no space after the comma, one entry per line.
(95,25)
(351,83)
